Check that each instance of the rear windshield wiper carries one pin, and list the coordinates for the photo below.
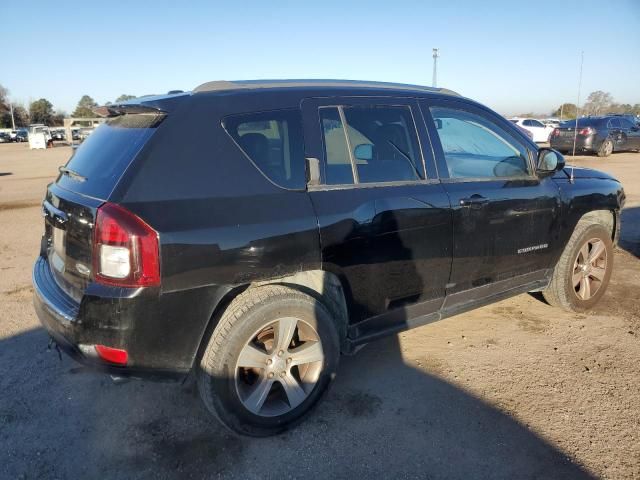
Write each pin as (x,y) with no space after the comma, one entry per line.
(72,173)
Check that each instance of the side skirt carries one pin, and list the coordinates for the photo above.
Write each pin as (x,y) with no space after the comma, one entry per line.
(398,321)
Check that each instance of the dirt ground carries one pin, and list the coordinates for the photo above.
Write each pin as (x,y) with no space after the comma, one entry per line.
(517,389)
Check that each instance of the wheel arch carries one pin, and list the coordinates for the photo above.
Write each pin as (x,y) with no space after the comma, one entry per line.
(320,284)
(610,219)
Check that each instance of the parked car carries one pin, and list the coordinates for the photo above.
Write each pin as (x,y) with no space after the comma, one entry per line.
(599,135)
(303,220)
(84,133)
(57,135)
(5,137)
(526,132)
(541,132)
(22,136)
(551,122)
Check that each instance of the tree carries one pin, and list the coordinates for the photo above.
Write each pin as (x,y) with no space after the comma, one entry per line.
(57,120)
(124,97)
(21,116)
(84,108)
(5,116)
(597,103)
(566,110)
(41,111)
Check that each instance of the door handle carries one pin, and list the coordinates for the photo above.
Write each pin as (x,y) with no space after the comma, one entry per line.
(474,201)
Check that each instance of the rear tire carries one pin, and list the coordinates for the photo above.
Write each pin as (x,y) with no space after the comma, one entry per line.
(606,148)
(581,276)
(269,360)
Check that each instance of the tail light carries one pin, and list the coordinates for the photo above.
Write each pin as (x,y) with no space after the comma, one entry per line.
(586,131)
(112,355)
(125,249)
(556,132)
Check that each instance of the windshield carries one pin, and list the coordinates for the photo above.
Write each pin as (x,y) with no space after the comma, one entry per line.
(107,152)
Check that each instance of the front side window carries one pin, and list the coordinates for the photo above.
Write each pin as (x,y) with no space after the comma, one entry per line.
(535,123)
(274,143)
(475,147)
(370,144)
(626,124)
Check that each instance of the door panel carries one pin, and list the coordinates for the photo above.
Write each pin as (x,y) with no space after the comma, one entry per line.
(390,242)
(505,220)
(511,234)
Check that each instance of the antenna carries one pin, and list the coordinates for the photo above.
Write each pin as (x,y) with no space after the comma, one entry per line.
(435,67)
(575,131)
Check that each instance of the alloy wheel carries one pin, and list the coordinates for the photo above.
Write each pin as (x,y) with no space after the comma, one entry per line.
(279,367)
(589,269)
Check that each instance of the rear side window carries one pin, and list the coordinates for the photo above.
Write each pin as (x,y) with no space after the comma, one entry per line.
(380,141)
(107,152)
(274,143)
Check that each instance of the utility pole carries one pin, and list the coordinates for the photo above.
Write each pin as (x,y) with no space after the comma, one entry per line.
(575,130)
(435,67)
(13,121)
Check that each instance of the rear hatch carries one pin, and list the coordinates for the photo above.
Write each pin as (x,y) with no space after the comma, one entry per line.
(85,183)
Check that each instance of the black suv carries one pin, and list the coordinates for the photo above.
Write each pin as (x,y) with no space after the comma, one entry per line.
(599,135)
(250,232)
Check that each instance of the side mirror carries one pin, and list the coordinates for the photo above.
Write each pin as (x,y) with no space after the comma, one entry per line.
(438,123)
(364,151)
(549,161)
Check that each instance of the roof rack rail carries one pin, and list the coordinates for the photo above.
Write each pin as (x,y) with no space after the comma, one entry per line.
(225,85)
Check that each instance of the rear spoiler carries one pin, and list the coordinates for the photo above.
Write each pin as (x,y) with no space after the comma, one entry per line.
(116,110)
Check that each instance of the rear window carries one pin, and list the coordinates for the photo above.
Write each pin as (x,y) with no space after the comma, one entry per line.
(582,122)
(107,152)
(273,141)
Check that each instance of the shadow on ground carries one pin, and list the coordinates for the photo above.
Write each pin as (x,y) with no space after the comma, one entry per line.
(382,417)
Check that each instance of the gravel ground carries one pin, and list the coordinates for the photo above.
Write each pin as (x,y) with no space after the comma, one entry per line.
(517,389)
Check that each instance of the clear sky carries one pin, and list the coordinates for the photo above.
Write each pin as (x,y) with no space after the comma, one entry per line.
(515,56)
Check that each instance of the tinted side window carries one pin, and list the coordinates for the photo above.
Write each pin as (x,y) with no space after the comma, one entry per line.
(273,141)
(338,169)
(474,147)
(528,123)
(614,123)
(535,123)
(384,144)
(380,140)
(624,123)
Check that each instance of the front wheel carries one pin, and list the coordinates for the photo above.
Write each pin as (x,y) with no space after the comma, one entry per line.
(269,360)
(582,273)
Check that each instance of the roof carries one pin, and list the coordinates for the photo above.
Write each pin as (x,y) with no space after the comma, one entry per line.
(225,85)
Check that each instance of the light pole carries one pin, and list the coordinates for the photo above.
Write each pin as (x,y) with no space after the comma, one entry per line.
(435,67)
(13,122)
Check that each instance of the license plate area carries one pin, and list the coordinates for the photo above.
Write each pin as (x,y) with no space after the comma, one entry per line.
(58,249)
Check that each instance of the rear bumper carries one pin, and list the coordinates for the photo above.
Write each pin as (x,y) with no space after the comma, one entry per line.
(583,144)
(73,327)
